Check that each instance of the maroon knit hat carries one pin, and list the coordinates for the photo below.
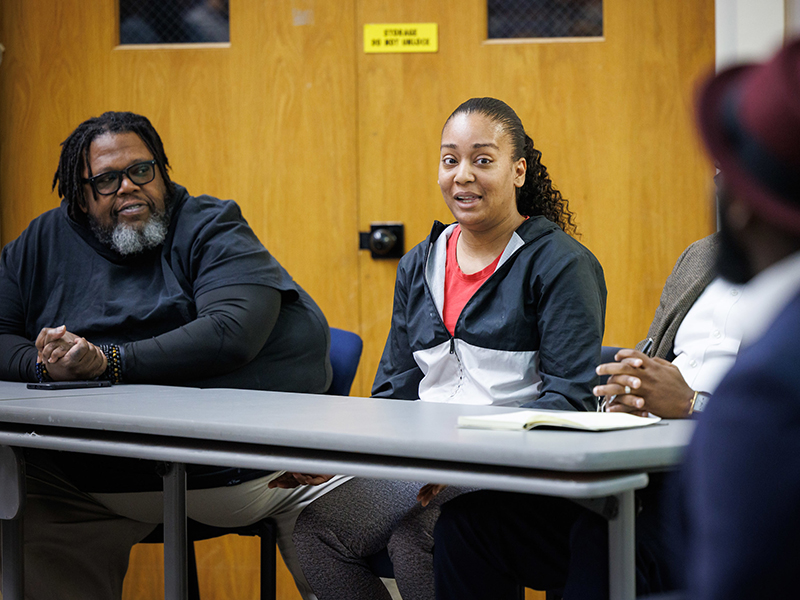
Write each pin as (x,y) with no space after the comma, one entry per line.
(749,117)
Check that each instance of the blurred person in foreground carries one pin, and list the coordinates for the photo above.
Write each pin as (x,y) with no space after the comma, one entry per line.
(740,484)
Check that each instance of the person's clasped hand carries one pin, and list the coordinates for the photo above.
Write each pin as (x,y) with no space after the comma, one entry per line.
(640,385)
(68,356)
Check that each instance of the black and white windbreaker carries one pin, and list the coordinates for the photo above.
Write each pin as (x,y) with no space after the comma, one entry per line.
(530,336)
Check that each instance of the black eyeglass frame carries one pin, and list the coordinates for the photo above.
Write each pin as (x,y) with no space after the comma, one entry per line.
(119,174)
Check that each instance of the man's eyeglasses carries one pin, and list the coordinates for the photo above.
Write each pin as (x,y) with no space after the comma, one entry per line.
(109,183)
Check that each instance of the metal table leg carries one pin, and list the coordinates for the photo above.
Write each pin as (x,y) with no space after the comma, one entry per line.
(13,560)
(12,499)
(176,585)
(621,549)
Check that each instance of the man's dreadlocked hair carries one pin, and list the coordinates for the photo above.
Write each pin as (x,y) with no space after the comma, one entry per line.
(537,196)
(75,152)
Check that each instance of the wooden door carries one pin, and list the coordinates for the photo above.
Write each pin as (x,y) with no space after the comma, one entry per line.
(613,119)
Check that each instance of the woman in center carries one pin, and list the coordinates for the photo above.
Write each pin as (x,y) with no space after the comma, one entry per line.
(501,307)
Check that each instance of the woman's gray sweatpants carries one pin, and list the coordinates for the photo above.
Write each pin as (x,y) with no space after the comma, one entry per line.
(334,535)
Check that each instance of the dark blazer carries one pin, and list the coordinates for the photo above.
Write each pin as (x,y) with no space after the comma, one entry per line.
(741,480)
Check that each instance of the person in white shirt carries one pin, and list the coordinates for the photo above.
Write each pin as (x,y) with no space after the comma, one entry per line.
(696,335)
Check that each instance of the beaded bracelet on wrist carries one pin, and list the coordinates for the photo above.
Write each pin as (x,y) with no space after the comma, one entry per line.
(42,375)
(113,370)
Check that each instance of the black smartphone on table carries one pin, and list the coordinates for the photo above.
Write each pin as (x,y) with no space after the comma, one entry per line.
(68,385)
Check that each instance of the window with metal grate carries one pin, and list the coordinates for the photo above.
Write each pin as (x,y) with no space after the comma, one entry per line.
(544,18)
(173,21)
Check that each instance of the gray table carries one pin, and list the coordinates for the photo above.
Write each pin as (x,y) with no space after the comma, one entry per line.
(413,441)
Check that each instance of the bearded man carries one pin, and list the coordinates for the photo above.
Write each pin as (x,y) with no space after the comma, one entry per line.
(133,280)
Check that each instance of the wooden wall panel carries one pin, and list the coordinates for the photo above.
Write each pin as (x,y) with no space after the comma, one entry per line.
(228,568)
(612,118)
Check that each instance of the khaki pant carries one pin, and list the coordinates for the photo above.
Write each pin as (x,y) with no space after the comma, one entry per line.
(77,545)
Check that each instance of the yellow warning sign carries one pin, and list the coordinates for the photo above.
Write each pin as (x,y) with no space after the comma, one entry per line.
(401,37)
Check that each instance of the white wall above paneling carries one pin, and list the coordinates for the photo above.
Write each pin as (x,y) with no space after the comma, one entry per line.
(792,18)
(751,30)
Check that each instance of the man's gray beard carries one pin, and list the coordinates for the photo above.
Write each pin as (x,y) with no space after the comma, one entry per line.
(127,240)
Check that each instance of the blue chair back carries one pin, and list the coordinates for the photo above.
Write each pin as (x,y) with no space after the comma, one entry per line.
(346,349)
